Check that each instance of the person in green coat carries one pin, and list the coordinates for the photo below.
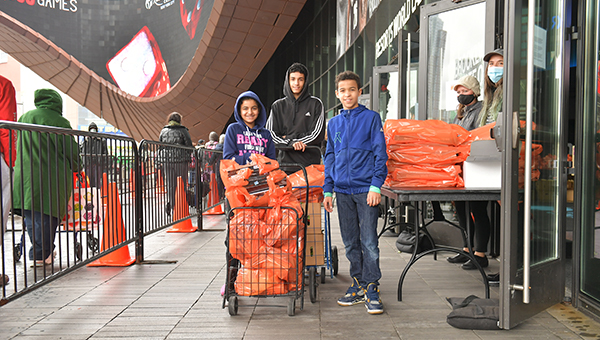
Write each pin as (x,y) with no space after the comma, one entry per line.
(43,174)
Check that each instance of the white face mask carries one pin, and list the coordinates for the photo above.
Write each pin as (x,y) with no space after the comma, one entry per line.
(495,73)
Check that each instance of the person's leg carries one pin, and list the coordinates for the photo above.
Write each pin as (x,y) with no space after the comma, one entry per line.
(349,229)
(350,232)
(41,229)
(171,183)
(461,214)
(482,234)
(367,217)
(482,227)
(371,272)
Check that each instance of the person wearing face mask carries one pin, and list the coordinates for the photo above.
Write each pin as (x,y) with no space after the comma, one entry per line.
(492,93)
(468,116)
(469,107)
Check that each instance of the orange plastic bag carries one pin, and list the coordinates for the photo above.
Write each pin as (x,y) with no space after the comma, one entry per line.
(428,154)
(264,163)
(279,262)
(398,131)
(425,176)
(314,173)
(316,179)
(239,178)
(244,234)
(252,282)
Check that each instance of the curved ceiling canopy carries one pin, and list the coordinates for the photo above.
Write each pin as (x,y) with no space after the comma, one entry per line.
(165,55)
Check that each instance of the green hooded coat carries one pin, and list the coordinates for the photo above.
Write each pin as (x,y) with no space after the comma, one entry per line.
(54,165)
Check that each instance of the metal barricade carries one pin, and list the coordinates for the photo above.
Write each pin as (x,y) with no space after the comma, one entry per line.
(58,218)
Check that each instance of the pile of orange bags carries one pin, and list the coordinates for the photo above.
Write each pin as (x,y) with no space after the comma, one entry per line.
(424,153)
(266,240)
(429,153)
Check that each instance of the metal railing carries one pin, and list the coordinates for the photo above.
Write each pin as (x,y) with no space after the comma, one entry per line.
(81,198)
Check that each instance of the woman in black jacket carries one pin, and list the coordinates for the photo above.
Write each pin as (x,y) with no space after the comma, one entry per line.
(175,160)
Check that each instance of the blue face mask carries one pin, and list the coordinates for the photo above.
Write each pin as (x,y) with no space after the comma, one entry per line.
(495,73)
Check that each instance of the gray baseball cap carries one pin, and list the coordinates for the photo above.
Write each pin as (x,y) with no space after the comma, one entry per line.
(498,51)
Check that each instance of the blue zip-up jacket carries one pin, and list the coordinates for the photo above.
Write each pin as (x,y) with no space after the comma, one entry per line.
(241,141)
(356,157)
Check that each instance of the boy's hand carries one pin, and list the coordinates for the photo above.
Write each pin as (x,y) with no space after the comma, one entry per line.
(373,199)
(299,146)
(328,204)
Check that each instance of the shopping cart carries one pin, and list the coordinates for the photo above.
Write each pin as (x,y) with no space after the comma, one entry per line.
(264,256)
(265,248)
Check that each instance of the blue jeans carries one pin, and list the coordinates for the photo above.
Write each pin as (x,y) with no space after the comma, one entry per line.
(41,229)
(358,226)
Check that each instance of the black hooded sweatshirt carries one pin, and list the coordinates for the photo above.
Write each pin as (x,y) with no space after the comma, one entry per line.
(293,120)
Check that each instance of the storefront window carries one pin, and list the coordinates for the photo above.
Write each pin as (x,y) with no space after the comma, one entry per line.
(454,50)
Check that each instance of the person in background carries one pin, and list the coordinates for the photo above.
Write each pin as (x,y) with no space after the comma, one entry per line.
(94,152)
(355,168)
(297,120)
(44,175)
(248,134)
(200,144)
(492,90)
(213,140)
(174,160)
(8,151)
(467,90)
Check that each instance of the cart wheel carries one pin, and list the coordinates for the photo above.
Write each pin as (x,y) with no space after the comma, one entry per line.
(312,284)
(292,307)
(17,252)
(334,260)
(78,250)
(322,274)
(233,305)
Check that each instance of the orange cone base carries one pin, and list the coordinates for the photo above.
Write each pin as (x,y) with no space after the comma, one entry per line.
(183,227)
(218,210)
(117,258)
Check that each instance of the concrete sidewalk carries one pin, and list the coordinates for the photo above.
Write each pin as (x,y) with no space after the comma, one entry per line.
(182,301)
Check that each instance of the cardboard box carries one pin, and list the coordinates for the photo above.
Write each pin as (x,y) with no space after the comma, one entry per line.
(315,250)
(314,219)
(483,168)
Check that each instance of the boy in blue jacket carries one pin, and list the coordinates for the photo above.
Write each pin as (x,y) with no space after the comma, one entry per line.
(355,168)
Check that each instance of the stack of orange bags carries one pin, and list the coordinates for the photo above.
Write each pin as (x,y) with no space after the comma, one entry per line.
(425,153)
(266,240)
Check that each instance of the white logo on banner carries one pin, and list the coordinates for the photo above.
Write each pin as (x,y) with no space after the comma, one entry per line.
(160,3)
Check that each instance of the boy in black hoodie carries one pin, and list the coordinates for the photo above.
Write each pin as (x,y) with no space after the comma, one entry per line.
(297,120)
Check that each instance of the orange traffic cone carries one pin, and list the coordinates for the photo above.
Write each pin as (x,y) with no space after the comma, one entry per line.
(113,233)
(213,198)
(181,211)
(160,184)
(104,188)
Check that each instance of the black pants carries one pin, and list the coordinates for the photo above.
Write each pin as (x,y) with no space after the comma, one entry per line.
(480,228)
(171,172)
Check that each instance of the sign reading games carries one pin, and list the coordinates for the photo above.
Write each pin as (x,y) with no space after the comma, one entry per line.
(409,7)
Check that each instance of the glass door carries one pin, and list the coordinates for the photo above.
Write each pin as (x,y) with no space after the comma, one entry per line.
(394,86)
(534,173)
(589,254)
